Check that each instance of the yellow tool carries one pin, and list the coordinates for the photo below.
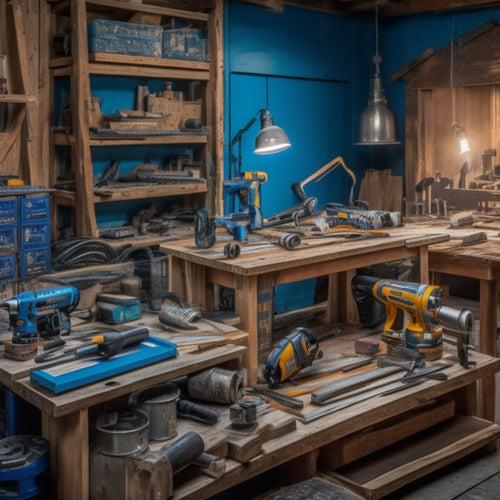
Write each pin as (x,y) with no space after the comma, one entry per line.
(294,352)
(419,328)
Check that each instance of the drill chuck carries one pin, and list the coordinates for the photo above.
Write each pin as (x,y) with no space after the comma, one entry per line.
(462,319)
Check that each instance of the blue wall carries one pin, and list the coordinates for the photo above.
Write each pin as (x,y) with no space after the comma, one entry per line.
(299,65)
(312,70)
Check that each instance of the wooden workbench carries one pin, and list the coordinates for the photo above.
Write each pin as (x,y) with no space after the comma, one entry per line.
(67,421)
(262,266)
(66,416)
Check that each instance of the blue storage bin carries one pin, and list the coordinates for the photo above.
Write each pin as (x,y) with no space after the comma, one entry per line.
(34,261)
(7,267)
(185,43)
(8,238)
(34,208)
(8,210)
(35,234)
(118,37)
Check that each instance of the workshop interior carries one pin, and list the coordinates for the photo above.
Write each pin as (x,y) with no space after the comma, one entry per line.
(249,249)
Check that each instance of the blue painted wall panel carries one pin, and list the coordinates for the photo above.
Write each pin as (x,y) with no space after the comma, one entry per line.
(298,42)
(314,115)
(298,65)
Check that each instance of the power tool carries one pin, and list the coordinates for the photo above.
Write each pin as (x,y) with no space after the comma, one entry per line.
(292,353)
(43,313)
(413,313)
(247,189)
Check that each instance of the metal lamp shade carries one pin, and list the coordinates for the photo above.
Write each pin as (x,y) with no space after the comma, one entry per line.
(377,125)
(271,139)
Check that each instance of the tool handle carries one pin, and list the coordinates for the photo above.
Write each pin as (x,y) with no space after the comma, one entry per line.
(113,342)
(185,450)
(187,409)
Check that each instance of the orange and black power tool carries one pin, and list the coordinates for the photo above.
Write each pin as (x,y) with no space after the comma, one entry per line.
(292,353)
(414,314)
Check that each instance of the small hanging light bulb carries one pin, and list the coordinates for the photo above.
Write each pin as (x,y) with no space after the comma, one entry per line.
(461,135)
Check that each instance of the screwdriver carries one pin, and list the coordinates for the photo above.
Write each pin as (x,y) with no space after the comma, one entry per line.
(106,344)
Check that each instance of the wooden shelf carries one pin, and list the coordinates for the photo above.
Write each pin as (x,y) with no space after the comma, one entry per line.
(103,63)
(204,145)
(114,7)
(17,98)
(377,475)
(64,139)
(134,192)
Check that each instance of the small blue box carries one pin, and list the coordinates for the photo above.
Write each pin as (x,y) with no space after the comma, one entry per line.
(7,267)
(35,208)
(35,234)
(8,210)
(34,261)
(8,238)
(118,37)
(185,43)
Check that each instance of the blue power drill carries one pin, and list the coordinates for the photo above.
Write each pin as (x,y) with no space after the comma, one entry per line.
(43,313)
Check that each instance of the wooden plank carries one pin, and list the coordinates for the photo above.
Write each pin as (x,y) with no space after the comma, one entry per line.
(86,224)
(67,434)
(271,424)
(351,448)
(333,254)
(400,465)
(215,106)
(29,86)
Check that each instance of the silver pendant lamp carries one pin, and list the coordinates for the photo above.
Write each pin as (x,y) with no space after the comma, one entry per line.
(377,124)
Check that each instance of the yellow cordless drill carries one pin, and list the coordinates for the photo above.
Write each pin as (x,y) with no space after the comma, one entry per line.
(419,328)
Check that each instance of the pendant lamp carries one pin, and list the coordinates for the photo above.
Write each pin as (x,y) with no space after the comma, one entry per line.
(377,124)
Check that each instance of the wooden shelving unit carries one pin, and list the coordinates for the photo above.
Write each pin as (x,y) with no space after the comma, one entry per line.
(80,66)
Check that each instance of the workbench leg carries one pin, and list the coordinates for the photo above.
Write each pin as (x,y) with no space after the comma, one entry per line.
(247,307)
(176,277)
(69,455)
(488,300)
(340,303)
(424,264)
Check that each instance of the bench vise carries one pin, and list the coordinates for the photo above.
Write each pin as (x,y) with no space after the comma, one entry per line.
(43,313)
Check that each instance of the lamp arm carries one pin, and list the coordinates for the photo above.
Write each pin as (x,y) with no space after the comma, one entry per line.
(240,132)
(237,139)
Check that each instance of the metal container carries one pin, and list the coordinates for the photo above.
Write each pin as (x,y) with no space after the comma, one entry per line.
(122,432)
(159,403)
(216,385)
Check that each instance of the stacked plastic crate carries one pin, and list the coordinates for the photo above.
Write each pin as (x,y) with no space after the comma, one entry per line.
(24,236)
